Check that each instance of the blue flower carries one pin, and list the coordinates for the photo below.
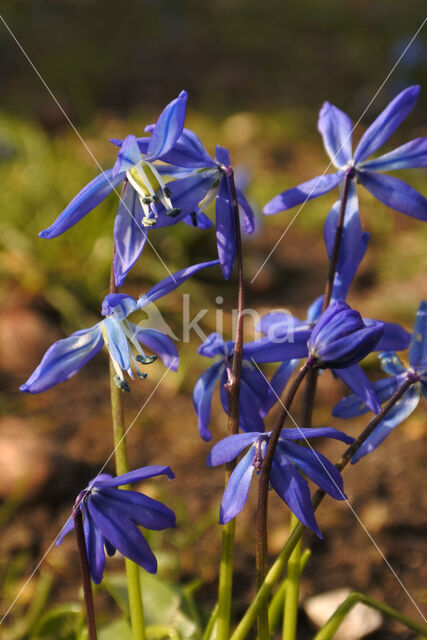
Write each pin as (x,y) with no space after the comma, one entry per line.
(200,179)
(120,336)
(111,517)
(340,338)
(336,130)
(144,192)
(417,372)
(289,460)
(253,391)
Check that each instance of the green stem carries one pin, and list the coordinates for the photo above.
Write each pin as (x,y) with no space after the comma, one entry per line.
(276,606)
(121,460)
(210,627)
(290,614)
(328,631)
(233,388)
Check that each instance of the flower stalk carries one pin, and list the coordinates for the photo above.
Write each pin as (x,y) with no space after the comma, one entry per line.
(290,613)
(261,541)
(233,389)
(122,466)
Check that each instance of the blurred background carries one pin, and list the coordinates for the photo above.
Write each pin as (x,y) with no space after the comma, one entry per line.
(257,74)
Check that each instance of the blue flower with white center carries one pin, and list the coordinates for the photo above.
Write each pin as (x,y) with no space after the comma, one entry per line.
(351,406)
(145,192)
(111,517)
(121,337)
(286,478)
(198,180)
(336,130)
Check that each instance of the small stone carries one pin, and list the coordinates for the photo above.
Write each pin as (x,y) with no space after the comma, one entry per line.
(360,622)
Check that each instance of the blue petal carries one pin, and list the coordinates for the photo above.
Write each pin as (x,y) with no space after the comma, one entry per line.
(68,526)
(94,547)
(250,405)
(277,324)
(212,346)
(353,242)
(336,129)
(188,152)
(173,281)
(356,380)
(202,397)
(247,216)
(391,363)
(92,194)
(145,511)
(316,467)
(394,338)
(353,406)
(286,348)
(159,343)
(305,191)
(222,155)
(119,305)
(386,123)
(129,235)
(229,448)
(121,532)
(64,358)
(411,155)
(168,128)
(401,410)
(128,156)
(236,493)
(289,484)
(186,194)
(277,384)
(395,194)
(418,348)
(303,433)
(133,476)
(116,342)
(225,228)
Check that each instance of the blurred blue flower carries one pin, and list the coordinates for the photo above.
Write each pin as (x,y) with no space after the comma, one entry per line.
(143,194)
(417,372)
(336,129)
(198,180)
(111,517)
(121,337)
(289,460)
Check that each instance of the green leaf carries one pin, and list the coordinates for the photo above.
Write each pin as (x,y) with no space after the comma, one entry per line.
(118,629)
(62,621)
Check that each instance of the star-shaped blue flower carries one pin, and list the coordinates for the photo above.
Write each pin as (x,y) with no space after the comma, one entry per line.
(417,372)
(289,460)
(336,129)
(121,337)
(111,517)
(145,193)
(198,180)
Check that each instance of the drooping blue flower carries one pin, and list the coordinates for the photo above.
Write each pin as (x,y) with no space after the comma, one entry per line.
(111,517)
(289,460)
(121,337)
(144,193)
(198,180)
(254,390)
(417,372)
(336,130)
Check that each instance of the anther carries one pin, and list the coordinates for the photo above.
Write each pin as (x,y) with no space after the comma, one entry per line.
(149,222)
(146,359)
(193,215)
(173,212)
(167,192)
